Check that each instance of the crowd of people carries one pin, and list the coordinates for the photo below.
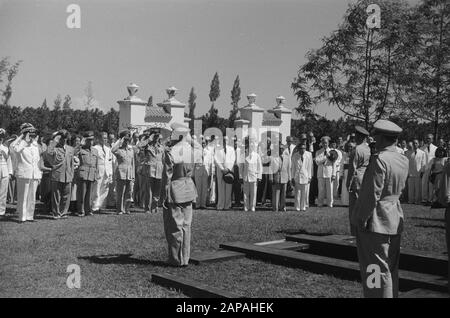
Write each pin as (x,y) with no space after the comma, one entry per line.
(83,174)
(371,173)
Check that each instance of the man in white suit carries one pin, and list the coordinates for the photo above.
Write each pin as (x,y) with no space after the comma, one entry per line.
(202,172)
(224,159)
(326,173)
(427,186)
(5,172)
(250,172)
(417,163)
(105,170)
(301,172)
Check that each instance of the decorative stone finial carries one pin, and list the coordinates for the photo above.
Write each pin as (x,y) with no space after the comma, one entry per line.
(132,89)
(171,91)
(280,100)
(251,98)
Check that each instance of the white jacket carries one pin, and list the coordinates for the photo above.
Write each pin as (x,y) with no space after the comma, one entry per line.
(5,162)
(105,160)
(223,160)
(325,168)
(251,169)
(301,171)
(417,162)
(28,159)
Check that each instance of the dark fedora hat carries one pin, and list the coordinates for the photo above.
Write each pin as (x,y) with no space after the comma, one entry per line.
(228,177)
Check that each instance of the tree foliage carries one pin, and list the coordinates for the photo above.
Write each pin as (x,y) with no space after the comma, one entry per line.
(235,98)
(357,69)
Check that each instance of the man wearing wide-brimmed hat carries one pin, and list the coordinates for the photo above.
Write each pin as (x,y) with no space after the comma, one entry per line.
(28,171)
(87,174)
(125,171)
(5,172)
(61,157)
(378,215)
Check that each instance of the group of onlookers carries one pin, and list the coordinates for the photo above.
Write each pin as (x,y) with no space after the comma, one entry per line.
(426,166)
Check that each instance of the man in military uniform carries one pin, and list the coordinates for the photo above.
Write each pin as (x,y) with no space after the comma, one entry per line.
(125,171)
(61,158)
(358,162)
(88,173)
(152,152)
(378,215)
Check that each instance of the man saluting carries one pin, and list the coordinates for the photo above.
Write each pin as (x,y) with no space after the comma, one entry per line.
(378,216)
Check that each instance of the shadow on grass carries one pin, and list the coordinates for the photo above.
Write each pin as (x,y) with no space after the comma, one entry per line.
(431,226)
(425,219)
(122,259)
(9,218)
(301,231)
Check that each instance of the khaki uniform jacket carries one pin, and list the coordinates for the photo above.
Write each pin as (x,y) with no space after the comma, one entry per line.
(88,170)
(62,162)
(125,169)
(378,206)
(152,164)
(358,162)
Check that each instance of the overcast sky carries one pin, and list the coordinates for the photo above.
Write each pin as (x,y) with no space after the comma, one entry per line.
(160,43)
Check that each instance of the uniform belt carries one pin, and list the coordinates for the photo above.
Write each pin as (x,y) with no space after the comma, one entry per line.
(392,197)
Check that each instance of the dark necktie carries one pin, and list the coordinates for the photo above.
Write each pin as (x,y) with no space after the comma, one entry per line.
(428,148)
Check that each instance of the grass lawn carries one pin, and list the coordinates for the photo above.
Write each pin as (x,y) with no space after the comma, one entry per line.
(118,254)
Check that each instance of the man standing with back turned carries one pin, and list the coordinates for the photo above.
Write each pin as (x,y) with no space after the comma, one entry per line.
(358,162)
(378,215)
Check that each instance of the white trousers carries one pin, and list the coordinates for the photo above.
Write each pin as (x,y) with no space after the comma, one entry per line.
(224,192)
(307,186)
(301,198)
(26,198)
(100,192)
(427,187)
(4,183)
(414,190)
(325,191)
(250,195)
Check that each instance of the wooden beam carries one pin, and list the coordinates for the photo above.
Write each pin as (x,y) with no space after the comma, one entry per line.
(329,265)
(411,260)
(423,293)
(191,288)
(285,245)
(220,255)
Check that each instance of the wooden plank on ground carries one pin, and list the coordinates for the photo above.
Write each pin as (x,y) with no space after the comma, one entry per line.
(191,288)
(412,260)
(329,265)
(284,245)
(341,237)
(423,293)
(198,258)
